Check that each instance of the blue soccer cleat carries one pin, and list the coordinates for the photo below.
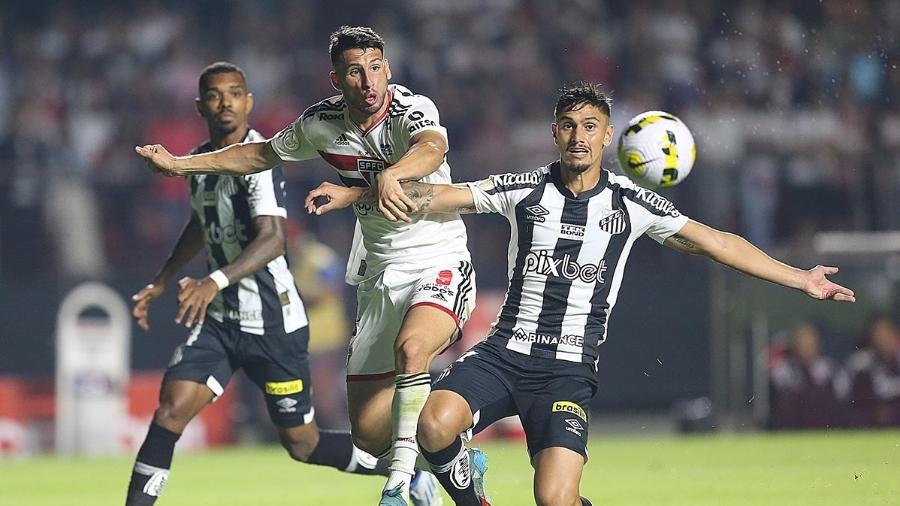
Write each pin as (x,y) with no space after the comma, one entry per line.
(393,497)
(424,490)
(478,460)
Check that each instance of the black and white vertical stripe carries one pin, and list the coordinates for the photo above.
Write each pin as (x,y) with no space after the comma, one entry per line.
(567,259)
(267,301)
(464,290)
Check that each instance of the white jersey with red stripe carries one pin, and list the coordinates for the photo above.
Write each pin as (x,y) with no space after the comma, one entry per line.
(326,130)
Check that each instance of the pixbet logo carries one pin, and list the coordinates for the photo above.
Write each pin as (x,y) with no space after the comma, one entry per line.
(543,262)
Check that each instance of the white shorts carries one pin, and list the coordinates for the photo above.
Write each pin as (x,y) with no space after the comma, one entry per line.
(384,300)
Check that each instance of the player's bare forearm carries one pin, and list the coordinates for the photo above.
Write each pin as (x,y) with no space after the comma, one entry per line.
(425,155)
(736,252)
(268,245)
(189,243)
(234,160)
(431,198)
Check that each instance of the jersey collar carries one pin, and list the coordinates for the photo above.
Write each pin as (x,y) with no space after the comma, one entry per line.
(556,177)
(388,98)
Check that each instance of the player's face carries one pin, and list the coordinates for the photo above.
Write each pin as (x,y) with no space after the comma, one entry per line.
(362,76)
(225,103)
(581,134)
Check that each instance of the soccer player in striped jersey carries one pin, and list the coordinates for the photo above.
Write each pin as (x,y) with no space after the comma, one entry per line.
(416,285)
(573,224)
(246,313)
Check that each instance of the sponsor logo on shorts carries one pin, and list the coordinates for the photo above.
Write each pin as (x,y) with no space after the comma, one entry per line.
(286,405)
(569,407)
(434,288)
(444,278)
(284,387)
(574,426)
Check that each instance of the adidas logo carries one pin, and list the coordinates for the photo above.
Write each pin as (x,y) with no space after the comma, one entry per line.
(341,141)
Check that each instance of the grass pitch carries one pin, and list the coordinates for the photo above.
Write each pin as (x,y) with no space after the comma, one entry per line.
(821,469)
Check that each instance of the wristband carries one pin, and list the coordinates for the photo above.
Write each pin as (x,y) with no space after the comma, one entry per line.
(219,278)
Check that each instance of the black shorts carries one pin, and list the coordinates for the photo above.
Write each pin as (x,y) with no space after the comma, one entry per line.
(277,363)
(550,396)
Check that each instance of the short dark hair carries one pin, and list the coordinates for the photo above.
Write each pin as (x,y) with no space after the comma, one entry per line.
(219,67)
(576,95)
(353,37)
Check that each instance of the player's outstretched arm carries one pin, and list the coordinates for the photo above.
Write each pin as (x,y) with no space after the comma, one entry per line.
(195,295)
(423,198)
(736,252)
(234,160)
(189,244)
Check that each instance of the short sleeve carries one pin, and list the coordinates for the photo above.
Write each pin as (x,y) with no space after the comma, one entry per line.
(422,116)
(500,193)
(266,193)
(663,220)
(291,145)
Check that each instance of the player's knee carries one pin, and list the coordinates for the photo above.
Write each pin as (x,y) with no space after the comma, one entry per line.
(436,430)
(412,354)
(172,416)
(556,494)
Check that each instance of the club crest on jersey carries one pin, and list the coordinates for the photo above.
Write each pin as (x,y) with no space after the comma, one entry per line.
(368,168)
(614,222)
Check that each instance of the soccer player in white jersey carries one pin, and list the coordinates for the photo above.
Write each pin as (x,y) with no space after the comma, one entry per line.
(246,313)
(416,283)
(573,224)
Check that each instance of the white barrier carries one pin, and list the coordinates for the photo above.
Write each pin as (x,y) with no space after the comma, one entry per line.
(92,369)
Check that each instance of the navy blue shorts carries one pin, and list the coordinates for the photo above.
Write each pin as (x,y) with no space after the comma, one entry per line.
(552,397)
(277,363)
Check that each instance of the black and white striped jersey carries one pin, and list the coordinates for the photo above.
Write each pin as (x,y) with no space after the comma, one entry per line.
(567,256)
(267,301)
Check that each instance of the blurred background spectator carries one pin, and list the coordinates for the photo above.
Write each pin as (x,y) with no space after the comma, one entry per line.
(804,383)
(875,375)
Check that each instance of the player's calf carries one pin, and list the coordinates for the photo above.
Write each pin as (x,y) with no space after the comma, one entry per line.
(308,444)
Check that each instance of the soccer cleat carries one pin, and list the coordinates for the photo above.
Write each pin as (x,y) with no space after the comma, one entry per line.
(424,490)
(478,460)
(393,497)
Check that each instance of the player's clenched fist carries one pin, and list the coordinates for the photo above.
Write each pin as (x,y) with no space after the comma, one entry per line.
(194,297)
(158,158)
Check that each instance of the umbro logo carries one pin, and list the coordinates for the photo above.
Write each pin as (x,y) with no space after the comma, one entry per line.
(341,141)
(536,213)
(286,405)
(574,426)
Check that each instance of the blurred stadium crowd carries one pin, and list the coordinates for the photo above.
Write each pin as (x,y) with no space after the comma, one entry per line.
(795,105)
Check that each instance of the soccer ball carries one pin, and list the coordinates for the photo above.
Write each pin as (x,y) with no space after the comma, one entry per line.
(656,150)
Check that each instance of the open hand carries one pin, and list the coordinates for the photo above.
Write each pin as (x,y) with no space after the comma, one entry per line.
(142,300)
(158,159)
(194,296)
(817,286)
(328,197)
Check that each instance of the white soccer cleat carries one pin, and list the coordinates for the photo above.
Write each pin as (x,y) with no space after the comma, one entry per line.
(424,490)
